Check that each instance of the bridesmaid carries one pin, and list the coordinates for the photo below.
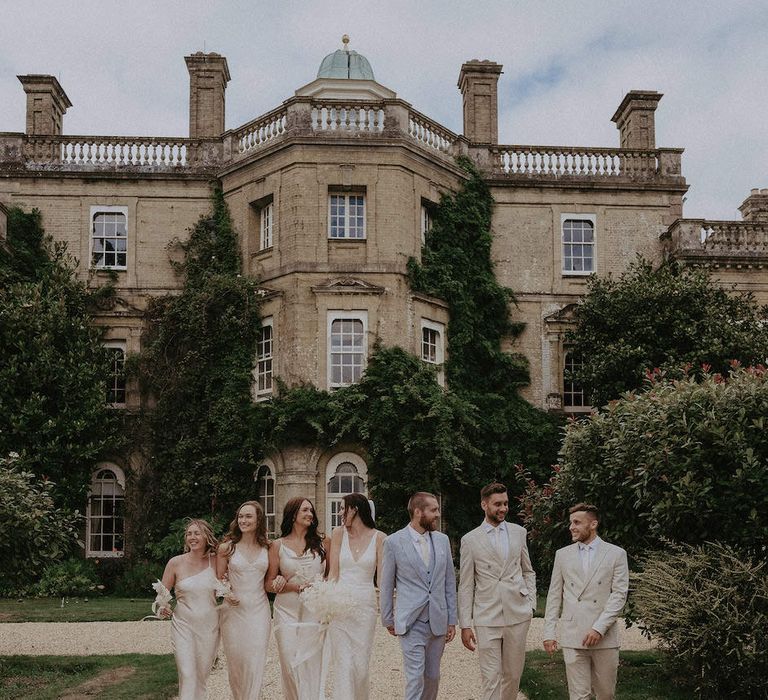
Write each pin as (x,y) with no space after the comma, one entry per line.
(299,556)
(195,626)
(245,623)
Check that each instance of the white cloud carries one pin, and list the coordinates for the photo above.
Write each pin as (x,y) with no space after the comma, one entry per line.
(566,67)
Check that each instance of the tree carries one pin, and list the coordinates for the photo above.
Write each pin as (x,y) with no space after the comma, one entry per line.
(195,373)
(665,317)
(54,369)
(33,531)
(683,462)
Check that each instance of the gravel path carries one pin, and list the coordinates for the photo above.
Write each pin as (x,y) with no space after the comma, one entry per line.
(460,675)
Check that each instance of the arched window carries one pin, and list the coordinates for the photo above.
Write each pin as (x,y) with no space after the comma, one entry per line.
(265,486)
(346,474)
(104,513)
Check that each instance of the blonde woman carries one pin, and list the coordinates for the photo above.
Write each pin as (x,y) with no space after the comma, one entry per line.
(195,626)
(245,622)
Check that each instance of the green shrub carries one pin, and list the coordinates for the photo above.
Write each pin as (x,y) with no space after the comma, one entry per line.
(708,606)
(33,531)
(137,579)
(684,461)
(73,577)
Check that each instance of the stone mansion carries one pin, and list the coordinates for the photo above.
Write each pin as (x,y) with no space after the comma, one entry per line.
(332,192)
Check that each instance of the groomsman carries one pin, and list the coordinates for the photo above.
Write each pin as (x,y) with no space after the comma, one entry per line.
(590,579)
(497,595)
(417,562)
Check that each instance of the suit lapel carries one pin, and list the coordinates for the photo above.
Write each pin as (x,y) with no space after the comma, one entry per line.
(410,553)
(485,544)
(506,563)
(598,559)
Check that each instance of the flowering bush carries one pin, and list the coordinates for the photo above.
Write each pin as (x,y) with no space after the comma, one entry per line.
(685,461)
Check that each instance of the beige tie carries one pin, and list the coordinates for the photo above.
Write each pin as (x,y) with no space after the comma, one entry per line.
(424,546)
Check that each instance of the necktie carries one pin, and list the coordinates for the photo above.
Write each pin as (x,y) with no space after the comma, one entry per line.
(424,546)
(585,552)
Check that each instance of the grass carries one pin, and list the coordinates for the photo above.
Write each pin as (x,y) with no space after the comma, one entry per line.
(123,677)
(641,677)
(98,609)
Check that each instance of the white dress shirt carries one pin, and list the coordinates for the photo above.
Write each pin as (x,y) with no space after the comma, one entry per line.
(587,553)
(419,541)
(498,538)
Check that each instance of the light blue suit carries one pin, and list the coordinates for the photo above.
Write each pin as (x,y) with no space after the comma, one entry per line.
(426,605)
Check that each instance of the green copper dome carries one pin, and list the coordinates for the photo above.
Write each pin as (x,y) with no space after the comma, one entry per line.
(344,63)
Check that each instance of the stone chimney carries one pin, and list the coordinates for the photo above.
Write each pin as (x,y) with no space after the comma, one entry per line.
(208,78)
(635,119)
(46,104)
(478,84)
(755,207)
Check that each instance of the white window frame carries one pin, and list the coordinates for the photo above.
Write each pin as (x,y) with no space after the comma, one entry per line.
(120,345)
(90,517)
(333,501)
(425,220)
(591,218)
(263,372)
(571,389)
(266,225)
(95,210)
(358,315)
(343,230)
(439,328)
(266,494)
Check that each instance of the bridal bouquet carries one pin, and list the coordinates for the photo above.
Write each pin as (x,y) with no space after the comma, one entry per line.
(222,590)
(329,600)
(162,599)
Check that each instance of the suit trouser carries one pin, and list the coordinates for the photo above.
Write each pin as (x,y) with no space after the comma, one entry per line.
(591,671)
(501,651)
(422,652)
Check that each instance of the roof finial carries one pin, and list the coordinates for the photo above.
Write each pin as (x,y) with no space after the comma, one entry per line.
(345,41)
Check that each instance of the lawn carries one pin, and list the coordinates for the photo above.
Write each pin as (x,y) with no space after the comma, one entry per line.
(641,677)
(101,609)
(124,677)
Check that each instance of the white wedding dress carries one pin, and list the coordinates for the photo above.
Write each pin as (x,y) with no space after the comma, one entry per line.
(352,638)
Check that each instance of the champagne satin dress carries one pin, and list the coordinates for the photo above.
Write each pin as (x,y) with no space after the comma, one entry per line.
(195,632)
(299,681)
(245,627)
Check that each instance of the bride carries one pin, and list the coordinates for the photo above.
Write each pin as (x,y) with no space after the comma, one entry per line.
(356,550)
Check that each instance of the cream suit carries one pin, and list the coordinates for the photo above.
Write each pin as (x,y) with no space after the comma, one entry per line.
(582,602)
(497,597)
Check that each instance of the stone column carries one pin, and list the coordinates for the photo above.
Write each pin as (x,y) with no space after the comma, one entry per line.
(635,120)
(46,104)
(3,223)
(478,84)
(208,78)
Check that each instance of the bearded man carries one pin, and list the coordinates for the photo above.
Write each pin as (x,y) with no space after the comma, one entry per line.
(417,562)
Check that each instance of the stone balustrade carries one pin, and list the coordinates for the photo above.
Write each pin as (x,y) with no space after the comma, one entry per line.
(260,131)
(704,242)
(431,134)
(113,152)
(578,162)
(347,117)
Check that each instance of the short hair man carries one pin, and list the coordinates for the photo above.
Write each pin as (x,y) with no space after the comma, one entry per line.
(587,592)
(417,562)
(497,595)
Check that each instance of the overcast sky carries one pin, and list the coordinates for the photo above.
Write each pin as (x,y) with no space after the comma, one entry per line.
(566,67)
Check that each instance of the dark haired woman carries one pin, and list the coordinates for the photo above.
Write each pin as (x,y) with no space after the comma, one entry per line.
(356,551)
(299,557)
(195,629)
(243,559)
